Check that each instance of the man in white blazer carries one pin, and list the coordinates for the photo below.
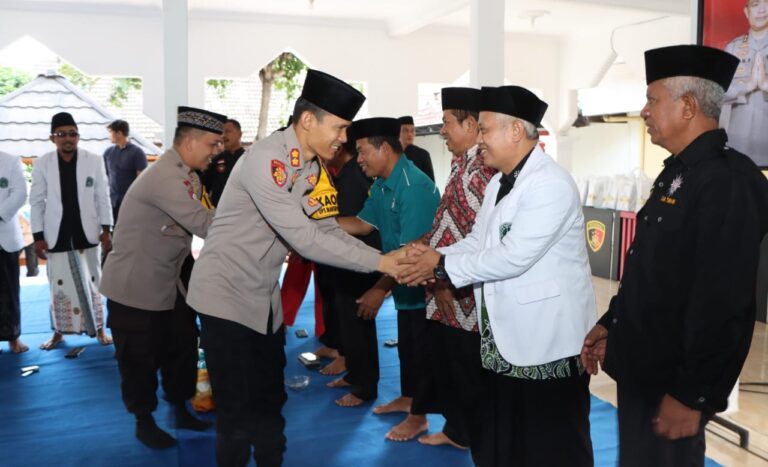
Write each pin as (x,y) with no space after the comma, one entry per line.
(526,258)
(71,216)
(13,195)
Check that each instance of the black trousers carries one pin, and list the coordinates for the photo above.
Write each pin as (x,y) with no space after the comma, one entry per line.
(639,446)
(10,306)
(331,319)
(146,341)
(461,383)
(361,347)
(537,423)
(414,349)
(246,371)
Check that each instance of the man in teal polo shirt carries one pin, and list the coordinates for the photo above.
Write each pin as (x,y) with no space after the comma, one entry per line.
(401,207)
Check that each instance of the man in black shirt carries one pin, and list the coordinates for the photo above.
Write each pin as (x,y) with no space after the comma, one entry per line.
(676,335)
(216,175)
(419,156)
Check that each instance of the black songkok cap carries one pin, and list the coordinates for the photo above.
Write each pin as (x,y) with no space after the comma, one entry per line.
(461,99)
(515,101)
(373,127)
(690,60)
(405,120)
(62,119)
(332,94)
(201,119)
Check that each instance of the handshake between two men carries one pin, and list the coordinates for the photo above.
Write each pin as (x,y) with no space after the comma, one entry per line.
(412,265)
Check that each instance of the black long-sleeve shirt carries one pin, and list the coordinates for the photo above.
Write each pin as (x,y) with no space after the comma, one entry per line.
(420,158)
(71,233)
(682,320)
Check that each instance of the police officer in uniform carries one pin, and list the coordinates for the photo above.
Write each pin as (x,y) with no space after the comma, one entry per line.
(263,212)
(151,325)
(676,335)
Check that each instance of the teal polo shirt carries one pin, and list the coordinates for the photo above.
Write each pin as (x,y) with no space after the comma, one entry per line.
(402,208)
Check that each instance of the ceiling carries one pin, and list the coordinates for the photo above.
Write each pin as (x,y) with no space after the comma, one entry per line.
(400,17)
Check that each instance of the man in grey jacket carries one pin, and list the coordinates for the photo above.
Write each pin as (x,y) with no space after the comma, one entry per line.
(262,212)
(152,327)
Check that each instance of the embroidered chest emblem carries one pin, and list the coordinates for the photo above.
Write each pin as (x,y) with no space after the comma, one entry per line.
(3,182)
(504,229)
(89,182)
(190,189)
(675,185)
(295,161)
(278,173)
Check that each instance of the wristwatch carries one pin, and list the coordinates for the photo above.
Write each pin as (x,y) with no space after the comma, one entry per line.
(439,271)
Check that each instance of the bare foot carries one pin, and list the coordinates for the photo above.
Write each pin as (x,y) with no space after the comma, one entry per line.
(349,400)
(401,404)
(439,439)
(336,367)
(103,338)
(408,428)
(327,352)
(17,346)
(338,383)
(55,340)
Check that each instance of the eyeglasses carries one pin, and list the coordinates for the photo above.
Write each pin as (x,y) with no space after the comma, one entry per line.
(64,134)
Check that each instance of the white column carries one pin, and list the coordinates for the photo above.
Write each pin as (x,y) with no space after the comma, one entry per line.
(486,53)
(175,62)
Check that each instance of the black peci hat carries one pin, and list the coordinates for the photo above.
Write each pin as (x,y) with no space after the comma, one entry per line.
(201,119)
(372,127)
(690,60)
(332,94)
(405,120)
(461,99)
(515,101)
(62,119)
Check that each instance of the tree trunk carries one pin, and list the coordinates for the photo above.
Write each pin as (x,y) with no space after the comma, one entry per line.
(267,80)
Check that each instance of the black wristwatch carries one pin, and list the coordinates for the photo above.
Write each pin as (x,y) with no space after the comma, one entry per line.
(439,271)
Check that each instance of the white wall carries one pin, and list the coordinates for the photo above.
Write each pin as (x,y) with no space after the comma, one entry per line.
(606,148)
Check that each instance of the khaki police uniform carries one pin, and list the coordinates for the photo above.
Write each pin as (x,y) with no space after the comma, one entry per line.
(151,325)
(265,209)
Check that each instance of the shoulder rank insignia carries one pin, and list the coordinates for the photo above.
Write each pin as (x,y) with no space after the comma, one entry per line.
(190,189)
(295,161)
(278,173)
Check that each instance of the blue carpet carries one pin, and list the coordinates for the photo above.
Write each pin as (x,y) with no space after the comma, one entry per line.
(70,413)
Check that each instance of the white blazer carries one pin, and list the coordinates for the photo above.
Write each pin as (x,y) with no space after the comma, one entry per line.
(529,253)
(92,196)
(13,195)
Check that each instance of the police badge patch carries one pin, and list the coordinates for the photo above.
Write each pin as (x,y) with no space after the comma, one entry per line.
(278,173)
(504,229)
(3,182)
(595,235)
(89,182)
(295,161)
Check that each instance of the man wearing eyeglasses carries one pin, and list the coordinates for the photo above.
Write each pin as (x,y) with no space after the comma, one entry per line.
(71,216)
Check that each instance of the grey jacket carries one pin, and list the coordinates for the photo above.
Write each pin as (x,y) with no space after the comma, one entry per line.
(153,235)
(263,212)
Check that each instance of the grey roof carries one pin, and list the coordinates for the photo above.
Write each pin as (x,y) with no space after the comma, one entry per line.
(25,118)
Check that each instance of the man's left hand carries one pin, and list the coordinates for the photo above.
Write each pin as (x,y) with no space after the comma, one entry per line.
(420,265)
(106,242)
(676,420)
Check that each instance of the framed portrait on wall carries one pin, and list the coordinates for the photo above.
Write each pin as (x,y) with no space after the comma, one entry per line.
(740,27)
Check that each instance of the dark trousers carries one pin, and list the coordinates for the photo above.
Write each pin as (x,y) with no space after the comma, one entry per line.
(30,258)
(331,319)
(639,446)
(414,349)
(532,423)
(360,345)
(246,371)
(146,341)
(461,382)
(10,307)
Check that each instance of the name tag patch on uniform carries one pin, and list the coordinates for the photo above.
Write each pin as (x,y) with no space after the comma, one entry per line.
(595,235)
(667,200)
(3,182)
(278,173)
(89,182)
(295,161)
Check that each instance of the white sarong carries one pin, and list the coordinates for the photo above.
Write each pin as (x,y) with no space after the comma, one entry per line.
(76,304)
